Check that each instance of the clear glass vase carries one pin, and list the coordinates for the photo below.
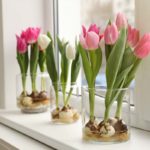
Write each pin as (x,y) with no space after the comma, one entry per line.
(105,114)
(67,103)
(33,92)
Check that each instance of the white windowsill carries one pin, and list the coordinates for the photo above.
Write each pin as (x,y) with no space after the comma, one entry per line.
(66,137)
(12,140)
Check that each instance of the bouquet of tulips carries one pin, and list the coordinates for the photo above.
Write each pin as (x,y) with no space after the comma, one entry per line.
(124,51)
(37,43)
(70,65)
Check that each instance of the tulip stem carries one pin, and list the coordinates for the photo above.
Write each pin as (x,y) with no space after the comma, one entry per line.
(68,97)
(24,84)
(106,116)
(107,105)
(91,102)
(119,105)
(56,94)
(33,79)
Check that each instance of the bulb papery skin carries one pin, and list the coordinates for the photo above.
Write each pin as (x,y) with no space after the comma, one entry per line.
(107,130)
(65,115)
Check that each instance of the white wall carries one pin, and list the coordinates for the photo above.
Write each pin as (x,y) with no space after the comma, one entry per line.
(17,15)
(142,88)
(1,60)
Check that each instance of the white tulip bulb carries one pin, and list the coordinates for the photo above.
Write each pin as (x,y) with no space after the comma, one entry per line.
(43,41)
(70,52)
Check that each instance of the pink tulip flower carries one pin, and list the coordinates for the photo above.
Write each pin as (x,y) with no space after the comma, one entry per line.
(121,21)
(31,35)
(21,45)
(23,34)
(143,47)
(111,34)
(89,39)
(133,36)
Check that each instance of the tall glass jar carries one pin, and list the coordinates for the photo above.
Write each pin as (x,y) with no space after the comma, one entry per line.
(106,116)
(33,95)
(67,103)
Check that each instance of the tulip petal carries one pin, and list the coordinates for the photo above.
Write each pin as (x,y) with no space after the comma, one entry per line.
(121,21)
(83,42)
(70,52)
(21,45)
(133,36)
(43,41)
(83,30)
(92,40)
(111,34)
(143,47)
(143,51)
(94,28)
(32,35)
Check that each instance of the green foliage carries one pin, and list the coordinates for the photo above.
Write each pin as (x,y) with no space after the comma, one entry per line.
(51,67)
(42,60)
(91,61)
(50,61)
(108,49)
(34,55)
(75,67)
(115,59)
(86,64)
(131,74)
(23,61)
(96,60)
(64,62)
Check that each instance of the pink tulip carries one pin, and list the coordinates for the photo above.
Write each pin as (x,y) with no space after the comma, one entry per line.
(23,34)
(89,39)
(111,34)
(31,35)
(133,36)
(143,47)
(21,45)
(121,21)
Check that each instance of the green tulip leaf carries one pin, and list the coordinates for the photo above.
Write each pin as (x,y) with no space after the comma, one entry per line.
(64,61)
(128,59)
(75,67)
(50,62)
(121,77)
(96,61)
(108,49)
(115,59)
(42,60)
(131,74)
(34,55)
(86,65)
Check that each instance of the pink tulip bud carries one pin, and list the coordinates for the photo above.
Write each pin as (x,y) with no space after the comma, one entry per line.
(143,47)
(89,39)
(133,36)
(21,45)
(121,21)
(111,34)
(31,35)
